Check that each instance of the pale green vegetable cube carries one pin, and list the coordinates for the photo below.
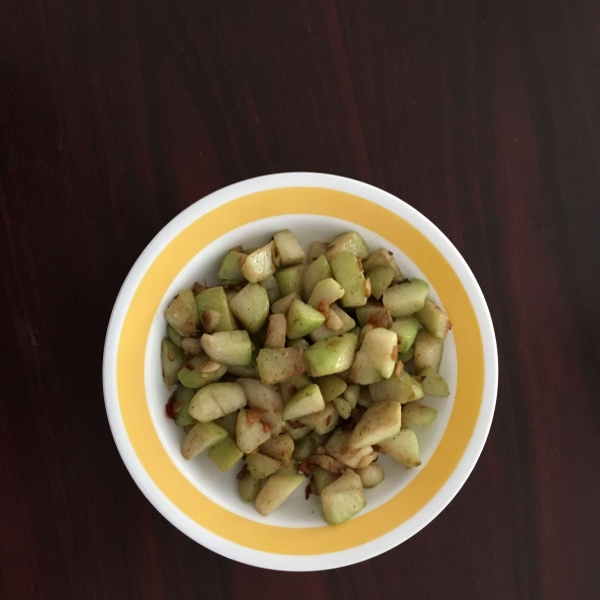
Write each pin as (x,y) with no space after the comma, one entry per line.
(289,250)
(172,360)
(428,350)
(324,333)
(317,271)
(432,383)
(251,307)
(381,279)
(217,400)
(326,291)
(225,454)
(417,414)
(272,289)
(261,465)
(191,346)
(371,476)
(373,314)
(291,386)
(283,304)
(343,407)
(182,313)
(403,389)
(322,478)
(304,402)
(376,358)
(348,273)
(331,356)
(183,397)
(266,399)
(331,386)
(173,335)
(248,488)
(277,365)
(276,491)
(231,267)
(228,347)
(279,447)
(406,298)
(303,449)
(351,241)
(323,421)
(260,264)
(403,448)
(338,446)
(290,280)
(194,373)
(382,258)
(343,498)
(228,423)
(249,435)
(433,318)
(299,343)
(380,422)
(302,319)
(406,329)
(216,299)
(200,437)
(351,394)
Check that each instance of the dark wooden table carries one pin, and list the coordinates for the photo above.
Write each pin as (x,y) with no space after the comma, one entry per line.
(117,114)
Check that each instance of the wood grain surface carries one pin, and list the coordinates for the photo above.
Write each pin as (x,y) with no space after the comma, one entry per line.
(117,114)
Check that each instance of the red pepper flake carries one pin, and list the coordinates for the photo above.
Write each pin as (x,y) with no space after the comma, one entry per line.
(328,420)
(305,467)
(189,367)
(307,491)
(296,425)
(170,407)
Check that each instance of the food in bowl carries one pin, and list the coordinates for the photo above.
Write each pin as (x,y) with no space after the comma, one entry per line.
(305,366)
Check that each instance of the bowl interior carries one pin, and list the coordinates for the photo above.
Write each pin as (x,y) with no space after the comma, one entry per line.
(222,487)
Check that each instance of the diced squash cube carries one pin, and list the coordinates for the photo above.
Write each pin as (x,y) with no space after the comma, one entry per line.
(381,279)
(182,313)
(428,351)
(403,389)
(277,365)
(433,318)
(331,387)
(260,264)
(225,454)
(228,347)
(343,498)
(302,319)
(371,476)
(200,371)
(406,329)
(251,307)
(279,447)
(403,448)
(249,434)
(216,299)
(266,399)
(324,421)
(305,402)
(231,267)
(261,465)
(351,241)
(289,250)
(417,414)
(290,280)
(248,488)
(318,270)
(331,356)
(376,358)
(172,360)
(217,400)
(276,491)
(200,437)
(432,383)
(348,273)
(406,298)
(380,422)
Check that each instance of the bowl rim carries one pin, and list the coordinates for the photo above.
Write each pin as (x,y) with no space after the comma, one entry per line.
(453,483)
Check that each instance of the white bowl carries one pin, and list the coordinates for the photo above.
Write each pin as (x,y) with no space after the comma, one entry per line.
(201,501)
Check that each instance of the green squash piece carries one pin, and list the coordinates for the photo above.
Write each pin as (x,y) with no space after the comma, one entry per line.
(302,319)
(191,374)
(215,299)
(251,307)
(172,359)
(225,454)
(343,498)
(290,280)
(406,298)
(332,355)
(348,273)
(231,267)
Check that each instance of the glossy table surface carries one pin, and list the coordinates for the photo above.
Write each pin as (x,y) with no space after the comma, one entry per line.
(116,115)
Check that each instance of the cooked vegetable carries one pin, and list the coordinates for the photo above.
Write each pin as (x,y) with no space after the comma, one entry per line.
(343,498)
(406,329)
(251,307)
(245,354)
(380,422)
(348,273)
(260,264)
(417,414)
(406,298)
(302,319)
(403,448)
(371,476)
(182,313)
(291,280)
(231,267)
(276,491)
(277,365)
(433,318)
(228,347)
(200,437)
(428,351)
(432,383)
(376,358)
(217,400)
(172,360)
(215,299)
(331,356)
(261,465)
(225,454)
(289,250)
